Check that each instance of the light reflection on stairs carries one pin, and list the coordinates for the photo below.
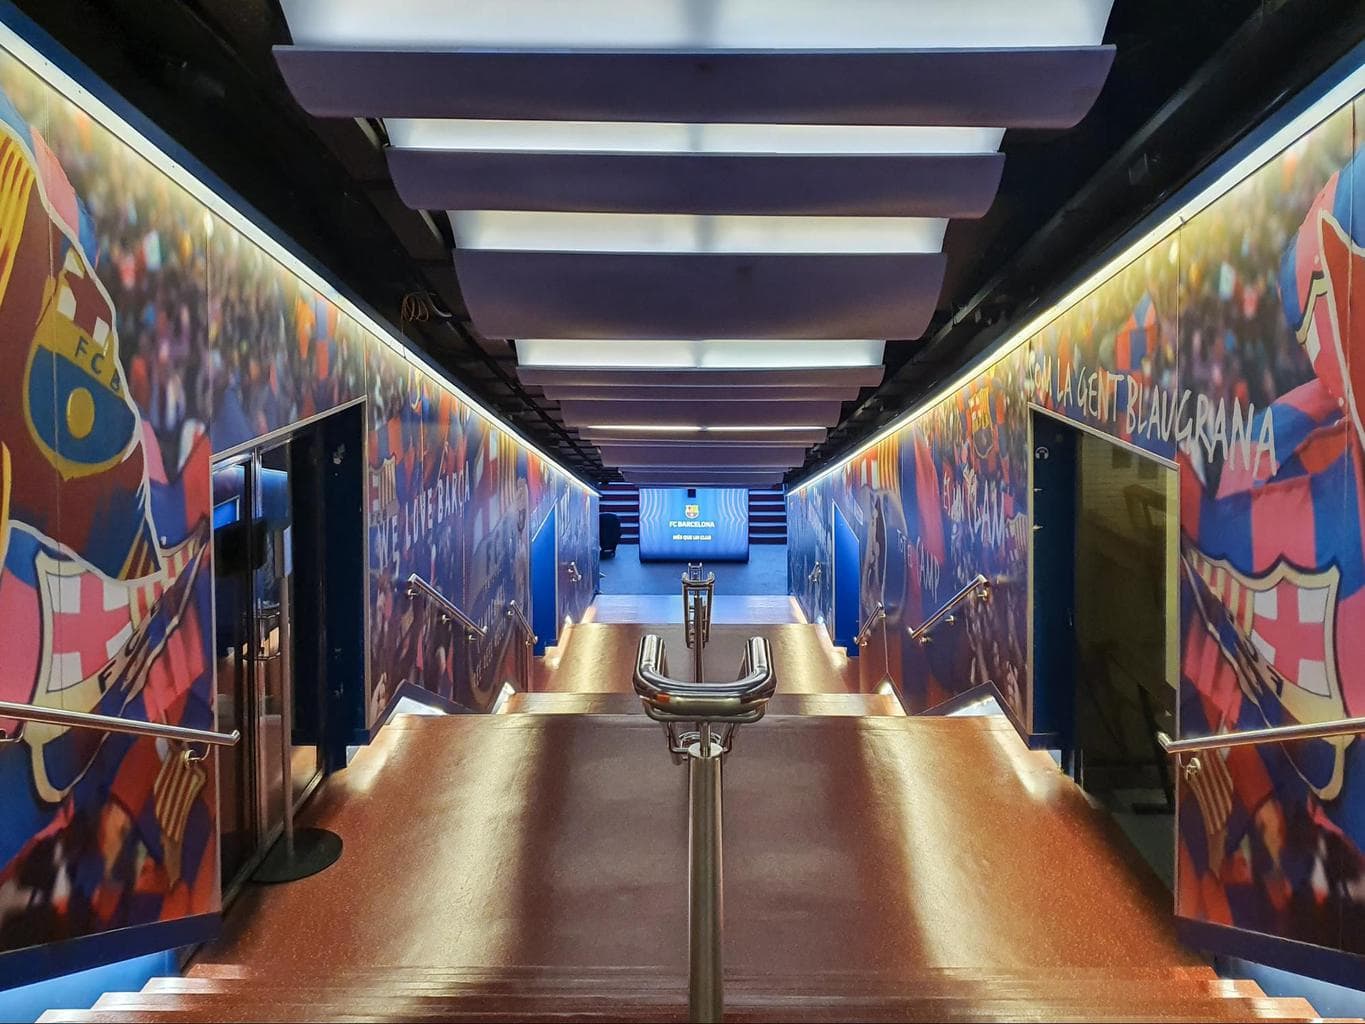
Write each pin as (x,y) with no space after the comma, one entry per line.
(215,992)
(836,704)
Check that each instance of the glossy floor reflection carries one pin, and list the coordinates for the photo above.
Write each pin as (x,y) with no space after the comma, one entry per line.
(532,865)
(892,844)
(596,657)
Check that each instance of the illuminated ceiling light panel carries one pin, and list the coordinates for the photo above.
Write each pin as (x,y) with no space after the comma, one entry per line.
(470,135)
(686,233)
(698,24)
(711,429)
(802,354)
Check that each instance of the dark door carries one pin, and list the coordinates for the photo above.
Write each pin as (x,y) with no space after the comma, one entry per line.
(545,584)
(847,584)
(1054,583)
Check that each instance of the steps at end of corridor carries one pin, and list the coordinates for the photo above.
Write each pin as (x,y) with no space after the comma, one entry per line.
(213,992)
(841,705)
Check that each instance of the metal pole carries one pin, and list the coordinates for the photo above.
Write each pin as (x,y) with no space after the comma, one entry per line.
(698,639)
(705,987)
(287,708)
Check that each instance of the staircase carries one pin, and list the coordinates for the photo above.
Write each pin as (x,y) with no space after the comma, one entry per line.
(767,515)
(224,992)
(624,500)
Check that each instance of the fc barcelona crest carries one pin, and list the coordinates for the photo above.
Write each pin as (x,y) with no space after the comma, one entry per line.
(691,511)
(1278,630)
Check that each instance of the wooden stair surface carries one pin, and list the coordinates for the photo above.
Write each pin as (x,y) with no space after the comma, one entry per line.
(228,992)
(877,867)
(837,704)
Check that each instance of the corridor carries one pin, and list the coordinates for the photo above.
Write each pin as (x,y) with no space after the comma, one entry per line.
(682,510)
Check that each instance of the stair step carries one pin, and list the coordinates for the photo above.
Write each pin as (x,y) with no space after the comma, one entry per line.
(654,993)
(827,704)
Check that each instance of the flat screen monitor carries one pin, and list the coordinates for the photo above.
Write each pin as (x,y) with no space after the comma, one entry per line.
(694,524)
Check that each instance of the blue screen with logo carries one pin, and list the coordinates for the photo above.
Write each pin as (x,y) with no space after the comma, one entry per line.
(694,524)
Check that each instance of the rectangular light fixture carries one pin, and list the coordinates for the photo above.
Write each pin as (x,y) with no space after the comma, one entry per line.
(698,24)
(748,354)
(655,428)
(688,233)
(470,135)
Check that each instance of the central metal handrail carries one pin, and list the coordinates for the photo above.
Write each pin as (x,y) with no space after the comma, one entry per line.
(528,635)
(672,701)
(864,633)
(1255,737)
(978,587)
(112,723)
(697,595)
(418,587)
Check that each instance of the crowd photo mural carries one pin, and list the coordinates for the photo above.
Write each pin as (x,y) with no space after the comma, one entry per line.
(141,333)
(456,502)
(1230,349)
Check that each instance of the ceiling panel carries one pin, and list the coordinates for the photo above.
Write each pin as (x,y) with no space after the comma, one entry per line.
(684,477)
(588,376)
(656,433)
(664,456)
(999,88)
(937,185)
(707,413)
(686,396)
(630,183)
(712,354)
(681,24)
(513,294)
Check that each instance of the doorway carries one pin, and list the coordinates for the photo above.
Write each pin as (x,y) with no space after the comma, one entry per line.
(847,584)
(545,584)
(255,647)
(1106,624)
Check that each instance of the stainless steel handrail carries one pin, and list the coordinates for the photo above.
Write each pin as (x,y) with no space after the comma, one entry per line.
(1255,737)
(671,701)
(418,587)
(698,595)
(528,634)
(978,587)
(112,723)
(864,633)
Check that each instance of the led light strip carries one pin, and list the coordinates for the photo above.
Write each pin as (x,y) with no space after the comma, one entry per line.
(672,232)
(689,24)
(468,135)
(1297,126)
(736,354)
(83,98)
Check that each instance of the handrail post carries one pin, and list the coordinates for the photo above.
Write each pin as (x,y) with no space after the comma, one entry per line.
(705,986)
(697,594)
(707,706)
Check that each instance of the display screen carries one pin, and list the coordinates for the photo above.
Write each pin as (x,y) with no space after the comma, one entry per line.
(694,524)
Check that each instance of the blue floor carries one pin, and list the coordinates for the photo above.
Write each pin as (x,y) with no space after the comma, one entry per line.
(764,573)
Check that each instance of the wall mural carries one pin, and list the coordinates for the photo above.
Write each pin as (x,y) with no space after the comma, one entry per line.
(1271,837)
(140,334)
(456,502)
(1232,348)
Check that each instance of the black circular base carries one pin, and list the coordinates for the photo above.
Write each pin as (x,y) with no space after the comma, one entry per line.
(315,849)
